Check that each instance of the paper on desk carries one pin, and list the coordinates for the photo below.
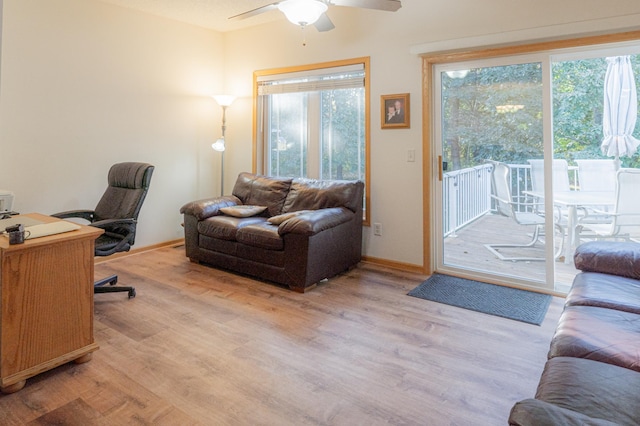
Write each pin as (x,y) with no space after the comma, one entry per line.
(51,228)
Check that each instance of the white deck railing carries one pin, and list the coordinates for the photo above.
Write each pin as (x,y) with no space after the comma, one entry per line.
(466,196)
(466,193)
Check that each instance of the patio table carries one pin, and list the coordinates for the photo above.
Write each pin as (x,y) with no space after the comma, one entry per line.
(573,200)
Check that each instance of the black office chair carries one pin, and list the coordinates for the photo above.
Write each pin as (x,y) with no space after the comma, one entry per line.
(117,213)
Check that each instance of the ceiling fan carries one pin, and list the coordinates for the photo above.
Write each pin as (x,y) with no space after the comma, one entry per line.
(312,12)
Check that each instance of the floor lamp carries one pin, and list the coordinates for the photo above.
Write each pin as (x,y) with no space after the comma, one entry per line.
(224,101)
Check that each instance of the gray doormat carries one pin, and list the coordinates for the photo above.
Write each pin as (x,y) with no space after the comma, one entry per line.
(512,303)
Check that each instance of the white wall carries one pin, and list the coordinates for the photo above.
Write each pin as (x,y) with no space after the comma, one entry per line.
(86,84)
(388,38)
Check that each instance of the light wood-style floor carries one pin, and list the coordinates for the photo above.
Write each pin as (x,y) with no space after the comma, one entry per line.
(199,346)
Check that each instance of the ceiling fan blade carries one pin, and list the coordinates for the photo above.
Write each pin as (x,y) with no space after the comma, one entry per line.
(255,11)
(389,5)
(324,23)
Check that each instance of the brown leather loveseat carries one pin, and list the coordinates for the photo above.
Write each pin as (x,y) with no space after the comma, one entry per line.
(295,232)
(592,376)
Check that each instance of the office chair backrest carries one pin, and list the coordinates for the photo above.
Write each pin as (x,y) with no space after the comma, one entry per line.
(128,186)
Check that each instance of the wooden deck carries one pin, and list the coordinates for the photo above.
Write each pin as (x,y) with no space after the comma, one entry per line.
(467,250)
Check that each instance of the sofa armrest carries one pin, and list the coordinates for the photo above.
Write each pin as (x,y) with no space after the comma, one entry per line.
(315,221)
(533,412)
(202,209)
(609,257)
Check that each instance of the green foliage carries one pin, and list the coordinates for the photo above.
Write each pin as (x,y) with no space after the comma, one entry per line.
(343,134)
(493,113)
(496,113)
(578,103)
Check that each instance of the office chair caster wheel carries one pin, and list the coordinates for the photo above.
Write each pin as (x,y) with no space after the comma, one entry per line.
(132,293)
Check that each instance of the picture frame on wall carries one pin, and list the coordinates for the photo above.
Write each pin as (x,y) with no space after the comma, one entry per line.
(395,111)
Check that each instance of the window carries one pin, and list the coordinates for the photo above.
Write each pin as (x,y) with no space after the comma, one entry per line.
(313,122)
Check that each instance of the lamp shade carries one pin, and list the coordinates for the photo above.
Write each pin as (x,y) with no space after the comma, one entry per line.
(302,12)
(224,100)
(218,145)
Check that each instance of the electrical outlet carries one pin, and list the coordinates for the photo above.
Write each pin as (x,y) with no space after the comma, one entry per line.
(411,155)
(377,229)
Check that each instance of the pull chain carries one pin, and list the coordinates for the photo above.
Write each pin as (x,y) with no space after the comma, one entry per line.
(304,39)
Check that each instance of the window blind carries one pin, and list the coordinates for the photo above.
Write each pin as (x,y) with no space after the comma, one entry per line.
(310,81)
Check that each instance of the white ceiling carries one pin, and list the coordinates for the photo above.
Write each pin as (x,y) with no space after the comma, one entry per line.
(211,14)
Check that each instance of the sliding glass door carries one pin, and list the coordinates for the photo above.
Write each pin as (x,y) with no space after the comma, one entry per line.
(521,169)
(492,122)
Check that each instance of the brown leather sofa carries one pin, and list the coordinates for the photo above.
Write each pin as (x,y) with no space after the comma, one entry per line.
(592,376)
(309,230)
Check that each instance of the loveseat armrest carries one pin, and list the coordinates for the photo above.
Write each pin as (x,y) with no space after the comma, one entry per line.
(315,221)
(202,209)
(609,257)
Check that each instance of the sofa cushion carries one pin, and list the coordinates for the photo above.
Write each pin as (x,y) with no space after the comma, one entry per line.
(595,389)
(598,334)
(262,191)
(203,209)
(533,412)
(277,220)
(605,291)
(243,210)
(310,194)
(229,247)
(226,227)
(261,234)
(609,257)
(316,221)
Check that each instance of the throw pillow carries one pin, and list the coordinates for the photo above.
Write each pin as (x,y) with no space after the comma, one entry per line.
(243,211)
(277,220)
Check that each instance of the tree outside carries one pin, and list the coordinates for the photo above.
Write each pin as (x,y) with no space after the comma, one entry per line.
(495,113)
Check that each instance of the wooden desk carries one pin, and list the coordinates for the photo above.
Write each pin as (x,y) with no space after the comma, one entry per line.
(46,311)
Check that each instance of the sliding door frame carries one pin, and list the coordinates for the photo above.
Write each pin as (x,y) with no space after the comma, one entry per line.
(431,167)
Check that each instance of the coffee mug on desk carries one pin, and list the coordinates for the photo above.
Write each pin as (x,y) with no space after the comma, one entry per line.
(17,234)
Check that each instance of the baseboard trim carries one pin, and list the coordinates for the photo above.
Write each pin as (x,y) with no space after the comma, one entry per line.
(172,243)
(408,267)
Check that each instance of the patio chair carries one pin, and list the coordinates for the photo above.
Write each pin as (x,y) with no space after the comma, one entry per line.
(560,176)
(597,175)
(505,206)
(625,215)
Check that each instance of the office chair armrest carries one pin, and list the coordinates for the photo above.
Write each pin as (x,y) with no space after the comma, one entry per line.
(80,214)
(110,224)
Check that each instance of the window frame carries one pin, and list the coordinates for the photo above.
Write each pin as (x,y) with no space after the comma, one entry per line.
(258,160)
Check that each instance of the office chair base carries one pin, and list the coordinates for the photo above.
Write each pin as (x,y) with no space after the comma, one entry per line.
(98,286)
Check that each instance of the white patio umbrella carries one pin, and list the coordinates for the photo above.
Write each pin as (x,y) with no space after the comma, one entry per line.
(620,109)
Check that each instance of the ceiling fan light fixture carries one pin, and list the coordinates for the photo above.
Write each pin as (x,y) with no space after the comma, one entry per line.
(302,12)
